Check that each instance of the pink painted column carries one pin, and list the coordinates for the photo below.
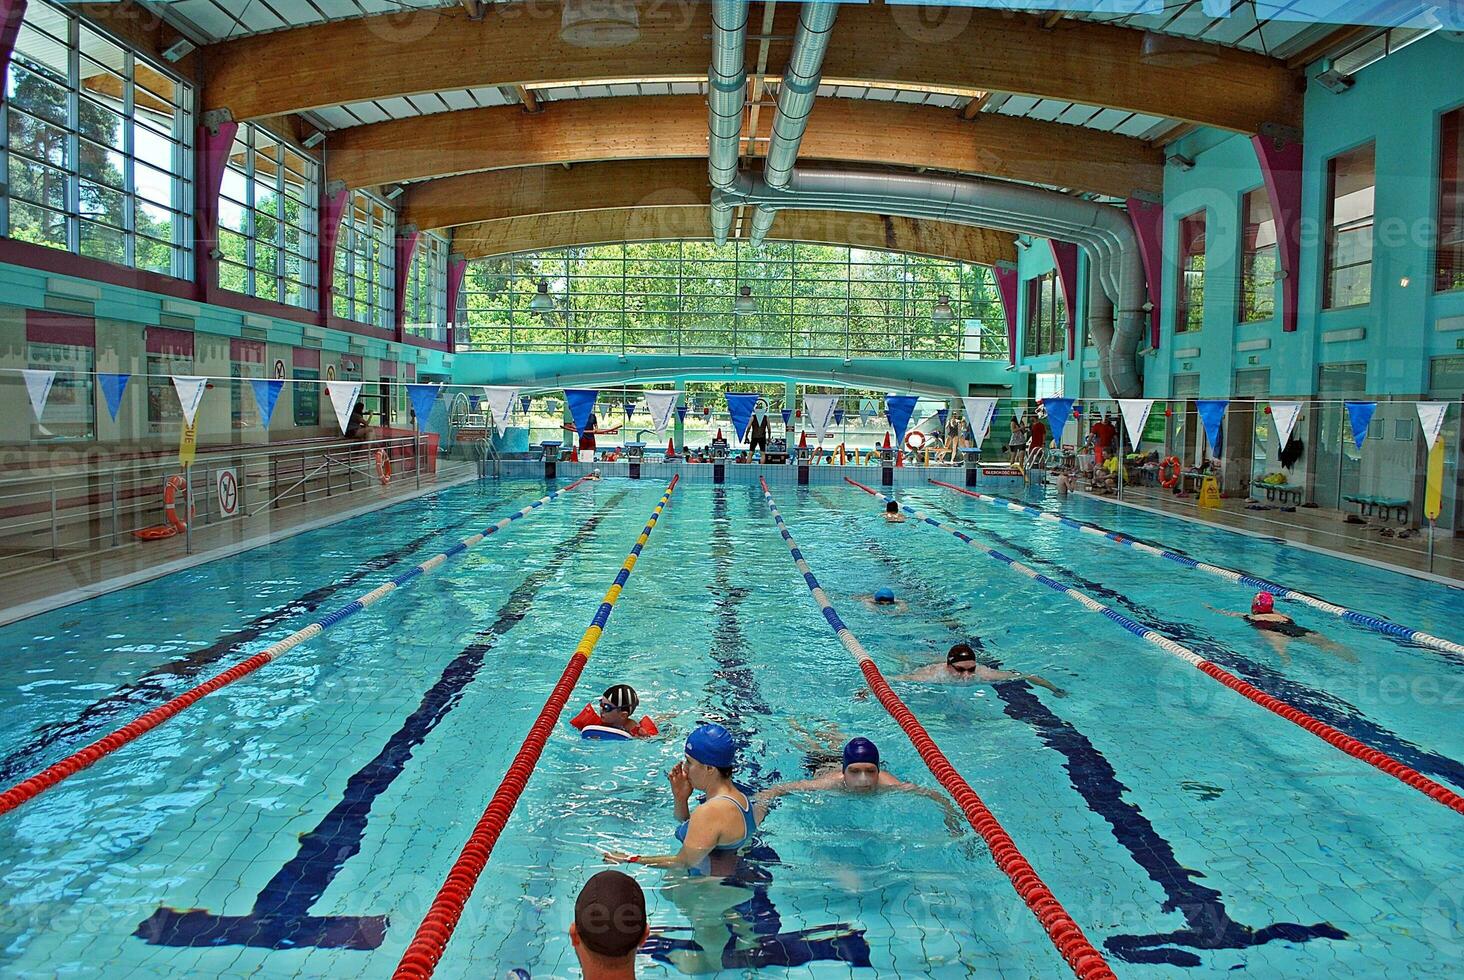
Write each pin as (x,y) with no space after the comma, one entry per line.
(332,207)
(215,141)
(457,269)
(1148,222)
(1065,258)
(1006,287)
(1280,162)
(406,244)
(12,12)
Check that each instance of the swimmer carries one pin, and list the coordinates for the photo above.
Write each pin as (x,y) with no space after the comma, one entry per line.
(723,824)
(857,770)
(883,600)
(609,926)
(1280,629)
(892,513)
(960,667)
(594,475)
(616,706)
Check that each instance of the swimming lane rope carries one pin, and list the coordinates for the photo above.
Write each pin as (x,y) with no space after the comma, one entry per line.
(29,789)
(1374,623)
(1341,740)
(427,946)
(1065,933)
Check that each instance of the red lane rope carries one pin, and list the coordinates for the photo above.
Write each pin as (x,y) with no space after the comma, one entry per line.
(429,943)
(1080,954)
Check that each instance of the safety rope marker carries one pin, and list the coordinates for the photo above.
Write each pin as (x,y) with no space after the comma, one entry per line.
(34,786)
(1374,623)
(1341,740)
(429,943)
(1066,935)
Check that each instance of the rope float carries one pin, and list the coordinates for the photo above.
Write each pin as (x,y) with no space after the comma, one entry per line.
(429,943)
(34,786)
(1341,740)
(1374,623)
(1066,935)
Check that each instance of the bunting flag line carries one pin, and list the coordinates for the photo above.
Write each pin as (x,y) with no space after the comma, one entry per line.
(266,394)
(660,404)
(1135,412)
(343,395)
(581,403)
(979,413)
(740,407)
(500,399)
(900,408)
(38,387)
(422,397)
(112,386)
(1431,417)
(1360,414)
(1285,415)
(1212,411)
(1059,411)
(820,411)
(190,393)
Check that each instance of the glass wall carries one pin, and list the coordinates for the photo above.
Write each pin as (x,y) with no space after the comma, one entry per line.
(426,300)
(678,297)
(96,148)
(365,261)
(1046,331)
(1190,312)
(1257,257)
(268,215)
(1351,177)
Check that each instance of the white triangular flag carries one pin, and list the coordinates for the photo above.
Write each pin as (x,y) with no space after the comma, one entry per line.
(501,401)
(1284,414)
(343,395)
(819,410)
(979,413)
(1431,417)
(190,393)
(661,404)
(1135,412)
(38,386)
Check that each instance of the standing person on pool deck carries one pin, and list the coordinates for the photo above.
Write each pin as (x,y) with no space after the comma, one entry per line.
(892,513)
(1280,629)
(609,926)
(960,667)
(617,705)
(724,823)
(883,600)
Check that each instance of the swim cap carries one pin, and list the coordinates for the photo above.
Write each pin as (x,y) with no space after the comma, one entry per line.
(622,696)
(859,750)
(712,745)
(884,595)
(961,653)
(1264,602)
(610,914)
(892,508)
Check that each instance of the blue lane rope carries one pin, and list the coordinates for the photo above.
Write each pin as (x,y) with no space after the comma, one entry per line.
(1374,623)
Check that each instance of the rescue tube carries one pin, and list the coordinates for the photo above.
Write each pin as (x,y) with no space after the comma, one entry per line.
(170,495)
(383,467)
(602,733)
(1169,470)
(911,435)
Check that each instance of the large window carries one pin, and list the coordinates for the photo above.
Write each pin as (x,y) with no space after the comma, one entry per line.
(96,148)
(364,262)
(1046,317)
(1257,257)
(1350,178)
(678,297)
(1190,306)
(267,220)
(426,300)
(1449,267)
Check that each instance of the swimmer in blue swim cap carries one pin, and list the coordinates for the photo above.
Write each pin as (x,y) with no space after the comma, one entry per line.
(853,768)
(724,822)
(884,600)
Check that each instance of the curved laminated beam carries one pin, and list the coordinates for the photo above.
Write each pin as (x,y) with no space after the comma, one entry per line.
(515,43)
(967,243)
(849,130)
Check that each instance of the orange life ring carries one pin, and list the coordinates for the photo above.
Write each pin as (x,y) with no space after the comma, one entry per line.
(155,533)
(911,435)
(383,467)
(1169,469)
(171,487)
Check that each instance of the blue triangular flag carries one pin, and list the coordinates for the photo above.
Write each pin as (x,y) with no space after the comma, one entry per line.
(740,407)
(942,414)
(422,397)
(900,408)
(1360,413)
(112,387)
(1212,410)
(838,416)
(525,401)
(266,393)
(629,408)
(787,414)
(681,412)
(1059,410)
(581,403)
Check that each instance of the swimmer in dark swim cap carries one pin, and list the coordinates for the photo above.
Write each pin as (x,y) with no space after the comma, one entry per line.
(961,667)
(892,513)
(1280,629)
(858,770)
(883,600)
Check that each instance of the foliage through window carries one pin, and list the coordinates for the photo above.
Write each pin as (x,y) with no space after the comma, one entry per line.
(1190,312)
(426,301)
(1257,257)
(1046,331)
(268,215)
(365,260)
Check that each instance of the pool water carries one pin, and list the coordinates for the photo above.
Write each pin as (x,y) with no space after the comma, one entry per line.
(299,822)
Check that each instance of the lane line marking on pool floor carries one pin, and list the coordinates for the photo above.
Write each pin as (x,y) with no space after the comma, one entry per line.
(1066,935)
(1375,623)
(430,941)
(28,789)
(1338,739)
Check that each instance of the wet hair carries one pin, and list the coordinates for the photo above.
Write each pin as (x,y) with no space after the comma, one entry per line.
(610,915)
(892,508)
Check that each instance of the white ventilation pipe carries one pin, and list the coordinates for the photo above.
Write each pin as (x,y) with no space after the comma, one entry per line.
(726,96)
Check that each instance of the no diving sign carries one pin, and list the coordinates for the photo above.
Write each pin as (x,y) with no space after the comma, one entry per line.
(228,493)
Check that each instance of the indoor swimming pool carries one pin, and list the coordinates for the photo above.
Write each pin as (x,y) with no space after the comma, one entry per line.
(299,822)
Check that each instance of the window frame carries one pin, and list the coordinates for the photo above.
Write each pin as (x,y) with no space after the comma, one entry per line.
(1330,232)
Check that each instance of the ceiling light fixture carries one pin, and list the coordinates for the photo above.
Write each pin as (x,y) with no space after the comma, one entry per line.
(942,313)
(744,303)
(599,23)
(542,301)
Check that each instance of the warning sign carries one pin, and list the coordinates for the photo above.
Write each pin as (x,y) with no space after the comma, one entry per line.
(228,493)
(1209,492)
